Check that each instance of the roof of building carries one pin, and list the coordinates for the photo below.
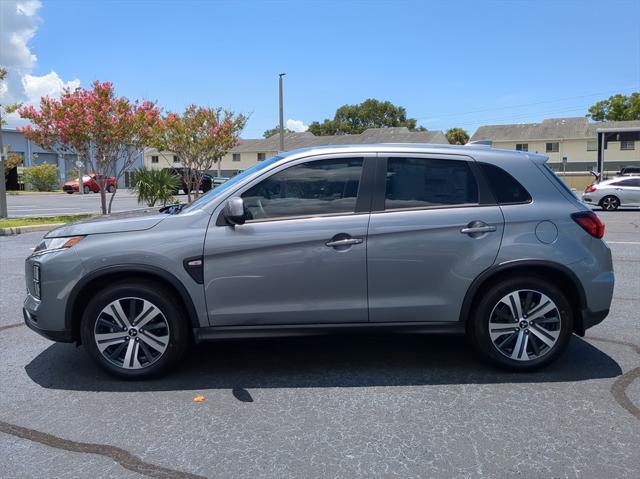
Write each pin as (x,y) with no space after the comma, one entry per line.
(550,129)
(294,141)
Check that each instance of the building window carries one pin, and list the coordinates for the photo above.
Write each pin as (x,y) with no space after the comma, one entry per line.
(176,159)
(627,145)
(235,157)
(154,159)
(522,146)
(553,147)
(262,156)
(592,145)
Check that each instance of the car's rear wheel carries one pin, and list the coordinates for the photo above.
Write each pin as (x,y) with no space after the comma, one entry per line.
(86,190)
(609,203)
(111,188)
(134,330)
(522,323)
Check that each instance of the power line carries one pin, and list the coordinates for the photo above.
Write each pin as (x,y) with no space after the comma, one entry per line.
(446,115)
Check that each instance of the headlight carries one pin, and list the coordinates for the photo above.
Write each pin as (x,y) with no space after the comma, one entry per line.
(55,244)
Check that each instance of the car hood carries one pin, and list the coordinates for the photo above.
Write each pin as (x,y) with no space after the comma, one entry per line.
(136,220)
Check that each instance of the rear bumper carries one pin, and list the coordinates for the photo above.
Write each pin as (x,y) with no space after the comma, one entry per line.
(62,336)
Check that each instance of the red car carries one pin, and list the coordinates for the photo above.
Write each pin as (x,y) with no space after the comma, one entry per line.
(89,184)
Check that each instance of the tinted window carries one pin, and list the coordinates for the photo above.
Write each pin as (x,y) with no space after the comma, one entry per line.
(419,183)
(505,187)
(309,189)
(629,182)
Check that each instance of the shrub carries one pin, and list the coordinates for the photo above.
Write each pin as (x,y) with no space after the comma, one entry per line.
(154,186)
(44,177)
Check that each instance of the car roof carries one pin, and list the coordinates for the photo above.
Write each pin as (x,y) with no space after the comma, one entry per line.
(473,150)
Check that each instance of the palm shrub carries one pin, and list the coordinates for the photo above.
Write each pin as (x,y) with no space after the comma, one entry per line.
(44,177)
(154,186)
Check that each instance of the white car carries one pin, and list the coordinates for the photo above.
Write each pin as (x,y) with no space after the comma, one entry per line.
(613,193)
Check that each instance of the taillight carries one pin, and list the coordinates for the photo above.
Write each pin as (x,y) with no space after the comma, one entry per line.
(590,189)
(590,223)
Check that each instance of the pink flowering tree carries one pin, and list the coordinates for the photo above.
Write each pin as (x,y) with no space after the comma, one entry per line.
(107,132)
(200,137)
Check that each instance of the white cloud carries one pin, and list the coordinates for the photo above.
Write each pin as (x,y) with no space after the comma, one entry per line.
(20,23)
(46,85)
(296,125)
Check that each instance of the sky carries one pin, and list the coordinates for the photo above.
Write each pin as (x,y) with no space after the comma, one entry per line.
(450,64)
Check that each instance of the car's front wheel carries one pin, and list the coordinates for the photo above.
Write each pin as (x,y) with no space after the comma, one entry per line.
(609,203)
(134,330)
(86,190)
(522,323)
(111,188)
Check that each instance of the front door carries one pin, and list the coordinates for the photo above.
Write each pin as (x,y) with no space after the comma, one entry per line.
(433,235)
(300,258)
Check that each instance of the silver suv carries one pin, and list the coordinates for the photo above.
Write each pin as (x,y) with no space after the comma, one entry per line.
(393,238)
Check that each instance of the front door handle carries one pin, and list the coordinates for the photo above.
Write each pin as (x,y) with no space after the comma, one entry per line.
(343,242)
(477,228)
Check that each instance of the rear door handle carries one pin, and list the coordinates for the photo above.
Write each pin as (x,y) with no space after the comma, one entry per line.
(478,229)
(343,242)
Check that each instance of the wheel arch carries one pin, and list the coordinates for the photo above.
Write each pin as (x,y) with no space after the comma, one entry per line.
(562,277)
(107,275)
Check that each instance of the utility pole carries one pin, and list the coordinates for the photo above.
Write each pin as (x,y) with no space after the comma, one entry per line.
(281,111)
(3,186)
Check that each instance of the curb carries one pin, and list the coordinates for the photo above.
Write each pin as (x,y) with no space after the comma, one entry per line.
(16,230)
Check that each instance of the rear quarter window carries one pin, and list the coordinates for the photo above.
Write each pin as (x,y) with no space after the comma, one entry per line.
(506,189)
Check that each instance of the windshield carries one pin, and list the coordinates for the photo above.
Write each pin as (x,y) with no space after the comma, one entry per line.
(204,199)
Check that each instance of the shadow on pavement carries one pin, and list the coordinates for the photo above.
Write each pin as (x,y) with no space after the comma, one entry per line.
(323,361)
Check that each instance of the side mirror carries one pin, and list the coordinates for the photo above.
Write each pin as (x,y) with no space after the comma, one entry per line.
(233,211)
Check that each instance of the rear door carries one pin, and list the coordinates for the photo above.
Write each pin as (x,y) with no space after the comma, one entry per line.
(434,229)
(629,191)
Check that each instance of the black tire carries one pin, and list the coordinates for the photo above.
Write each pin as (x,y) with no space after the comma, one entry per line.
(69,192)
(111,188)
(164,300)
(86,190)
(609,203)
(490,298)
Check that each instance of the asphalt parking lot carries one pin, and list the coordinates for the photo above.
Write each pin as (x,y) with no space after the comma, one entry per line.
(53,204)
(366,406)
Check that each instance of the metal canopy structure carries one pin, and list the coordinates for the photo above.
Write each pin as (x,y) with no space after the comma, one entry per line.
(606,135)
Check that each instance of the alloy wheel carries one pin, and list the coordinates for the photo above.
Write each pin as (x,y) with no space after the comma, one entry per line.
(525,325)
(610,203)
(131,333)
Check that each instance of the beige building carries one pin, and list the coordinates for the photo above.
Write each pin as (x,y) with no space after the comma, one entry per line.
(570,143)
(248,152)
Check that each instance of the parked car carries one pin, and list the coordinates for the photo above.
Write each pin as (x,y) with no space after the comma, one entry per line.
(218,180)
(205,185)
(391,238)
(90,184)
(611,194)
(629,171)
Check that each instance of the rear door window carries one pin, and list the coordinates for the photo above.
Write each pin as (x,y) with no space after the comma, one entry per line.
(423,183)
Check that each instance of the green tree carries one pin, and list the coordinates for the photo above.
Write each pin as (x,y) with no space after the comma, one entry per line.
(457,136)
(43,177)
(274,131)
(6,109)
(354,119)
(154,186)
(616,108)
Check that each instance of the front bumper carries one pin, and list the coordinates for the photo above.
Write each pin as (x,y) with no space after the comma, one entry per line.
(30,320)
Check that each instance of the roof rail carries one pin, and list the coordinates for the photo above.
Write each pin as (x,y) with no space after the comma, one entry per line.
(479,143)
